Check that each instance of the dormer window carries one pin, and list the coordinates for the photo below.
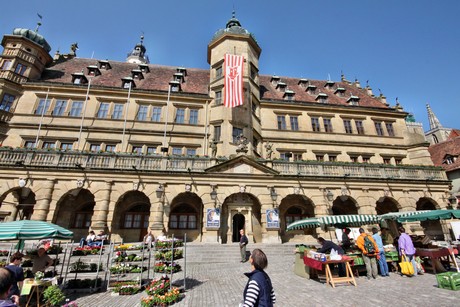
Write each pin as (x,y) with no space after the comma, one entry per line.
(449,159)
(353,100)
(311,89)
(182,70)
(289,95)
(144,68)
(93,70)
(178,76)
(340,91)
(104,65)
(281,86)
(274,80)
(137,74)
(128,82)
(329,84)
(175,86)
(303,82)
(79,78)
(321,98)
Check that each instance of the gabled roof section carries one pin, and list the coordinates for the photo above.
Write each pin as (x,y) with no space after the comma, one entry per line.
(441,151)
(242,165)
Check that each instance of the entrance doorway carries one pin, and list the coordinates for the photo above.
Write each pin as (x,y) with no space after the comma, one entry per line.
(238,223)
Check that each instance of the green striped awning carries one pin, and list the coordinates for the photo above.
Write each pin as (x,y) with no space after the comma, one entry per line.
(32,230)
(431,215)
(311,222)
(349,220)
(400,214)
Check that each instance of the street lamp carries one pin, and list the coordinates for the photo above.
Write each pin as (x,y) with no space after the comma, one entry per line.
(273,194)
(160,191)
(329,195)
(452,200)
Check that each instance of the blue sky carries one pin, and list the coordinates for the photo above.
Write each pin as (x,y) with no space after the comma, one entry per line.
(409,49)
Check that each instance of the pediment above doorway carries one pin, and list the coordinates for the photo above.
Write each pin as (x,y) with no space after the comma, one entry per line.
(242,165)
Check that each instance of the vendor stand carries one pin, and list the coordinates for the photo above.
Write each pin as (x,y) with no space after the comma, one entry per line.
(330,278)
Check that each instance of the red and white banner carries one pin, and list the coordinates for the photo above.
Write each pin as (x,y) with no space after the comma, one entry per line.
(233,80)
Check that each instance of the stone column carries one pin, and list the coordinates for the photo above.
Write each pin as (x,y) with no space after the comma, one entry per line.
(156,220)
(101,209)
(43,200)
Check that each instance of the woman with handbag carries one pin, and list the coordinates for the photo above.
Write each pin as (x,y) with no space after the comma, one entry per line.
(406,250)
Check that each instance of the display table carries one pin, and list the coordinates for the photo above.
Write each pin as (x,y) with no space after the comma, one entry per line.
(435,254)
(330,279)
(32,289)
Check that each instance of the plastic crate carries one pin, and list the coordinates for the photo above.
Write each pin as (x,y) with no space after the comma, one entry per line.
(448,280)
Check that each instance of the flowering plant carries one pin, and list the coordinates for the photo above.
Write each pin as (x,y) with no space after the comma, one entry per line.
(169,243)
(39,275)
(167,298)
(129,289)
(158,286)
(70,304)
(165,267)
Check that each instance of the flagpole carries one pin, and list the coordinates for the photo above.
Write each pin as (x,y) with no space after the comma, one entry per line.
(126,118)
(41,118)
(166,121)
(84,111)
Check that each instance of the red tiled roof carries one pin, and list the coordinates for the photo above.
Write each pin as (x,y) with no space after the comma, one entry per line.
(454,133)
(197,81)
(439,151)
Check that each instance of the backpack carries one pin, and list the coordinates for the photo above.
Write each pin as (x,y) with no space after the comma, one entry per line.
(368,245)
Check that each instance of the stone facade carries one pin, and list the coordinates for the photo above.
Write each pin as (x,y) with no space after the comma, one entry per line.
(126,146)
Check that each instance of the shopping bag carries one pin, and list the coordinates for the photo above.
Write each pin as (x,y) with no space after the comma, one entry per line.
(406,267)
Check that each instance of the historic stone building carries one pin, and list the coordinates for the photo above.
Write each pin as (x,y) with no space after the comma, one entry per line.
(101,144)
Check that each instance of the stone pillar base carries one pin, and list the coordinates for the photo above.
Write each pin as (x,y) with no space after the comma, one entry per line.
(211,236)
(271,236)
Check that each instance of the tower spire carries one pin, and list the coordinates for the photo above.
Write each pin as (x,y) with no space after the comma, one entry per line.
(434,121)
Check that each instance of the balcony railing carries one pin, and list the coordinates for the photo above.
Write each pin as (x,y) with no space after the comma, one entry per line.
(112,161)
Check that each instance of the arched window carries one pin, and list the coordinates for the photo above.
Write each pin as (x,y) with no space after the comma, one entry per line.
(137,217)
(83,217)
(294,214)
(183,216)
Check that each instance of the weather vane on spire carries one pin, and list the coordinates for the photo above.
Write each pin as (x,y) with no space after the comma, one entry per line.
(39,23)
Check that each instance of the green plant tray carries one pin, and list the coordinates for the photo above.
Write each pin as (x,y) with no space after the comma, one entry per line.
(448,280)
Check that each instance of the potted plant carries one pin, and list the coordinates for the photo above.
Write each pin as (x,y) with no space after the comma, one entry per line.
(53,295)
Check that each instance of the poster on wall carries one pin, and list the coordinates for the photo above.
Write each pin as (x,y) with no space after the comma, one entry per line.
(213,218)
(273,219)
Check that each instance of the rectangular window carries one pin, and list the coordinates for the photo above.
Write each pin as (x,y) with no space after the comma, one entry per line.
(191,152)
(94,147)
(359,126)
(177,151)
(7,102)
(285,156)
(137,150)
(75,111)
(366,159)
(142,113)
(379,129)
(117,111)
(294,123)
(390,130)
(398,161)
(315,124)
(347,125)
(354,159)
(219,72)
(20,69)
(217,133)
(236,132)
(219,98)
(297,156)
(66,146)
(180,115)
(173,221)
(59,107)
(281,122)
(156,114)
(110,148)
(103,110)
(332,158)
(29,144)
(43,106)
(151,150)
(49,145)
(193,117)
(386,161)
(320,158)
(327,125)
(6,64)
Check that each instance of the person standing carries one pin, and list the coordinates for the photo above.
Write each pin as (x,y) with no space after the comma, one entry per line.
(259,290)
(243,242)
(346,242)
(383,265)
(406,248)
(370,252)
(387,238)
(18,274)
(327,247)
(41,261)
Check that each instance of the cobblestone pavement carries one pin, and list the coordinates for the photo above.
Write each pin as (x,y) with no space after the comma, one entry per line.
(222,284)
